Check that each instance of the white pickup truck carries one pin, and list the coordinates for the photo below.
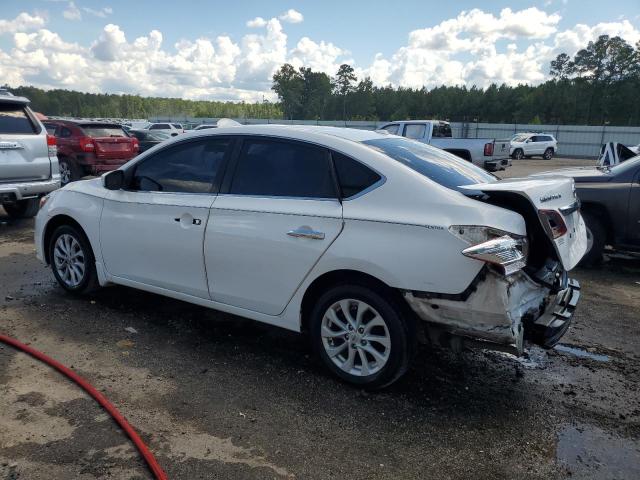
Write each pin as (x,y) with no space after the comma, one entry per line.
(488,153)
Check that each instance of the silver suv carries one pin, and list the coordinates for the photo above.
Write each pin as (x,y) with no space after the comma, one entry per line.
(28,161)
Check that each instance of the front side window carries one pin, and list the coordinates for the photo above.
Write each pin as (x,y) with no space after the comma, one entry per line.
(414,130)
(189,167)
(353,176)
(159,126)
(177,125)
(283,169)
(14,119)
(440,166)
(392,129)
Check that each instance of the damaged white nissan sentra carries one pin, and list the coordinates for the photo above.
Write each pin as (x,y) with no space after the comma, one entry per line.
(365,241)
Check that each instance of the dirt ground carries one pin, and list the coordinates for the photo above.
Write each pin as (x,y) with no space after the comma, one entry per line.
(216,396)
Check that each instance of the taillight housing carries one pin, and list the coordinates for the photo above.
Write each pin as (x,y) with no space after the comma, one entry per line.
(52,146)
(488,149)
(136,144)
(505,251)
(555,221)
(87,145)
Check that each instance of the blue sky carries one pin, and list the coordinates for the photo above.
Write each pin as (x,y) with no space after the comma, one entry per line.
(446,46)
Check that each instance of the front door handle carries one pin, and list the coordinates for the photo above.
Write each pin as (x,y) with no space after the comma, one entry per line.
(187,219)
(306,232)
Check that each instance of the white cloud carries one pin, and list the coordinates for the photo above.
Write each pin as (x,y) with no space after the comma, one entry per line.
(291,16)
(23,22)
(72,12)
(475,47)
(256,22)
(101,12)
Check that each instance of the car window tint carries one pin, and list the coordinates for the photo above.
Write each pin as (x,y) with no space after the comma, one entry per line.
(283,169)
(159,126)
(353,176)
(65,132)
(14,119)
(177,125)
(414,130)
(103,131)
(190,167)
(392,129)
(438,165)
(441,130)
(51,129)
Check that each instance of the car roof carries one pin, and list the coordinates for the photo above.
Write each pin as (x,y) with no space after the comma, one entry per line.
(353,134)
(12,99)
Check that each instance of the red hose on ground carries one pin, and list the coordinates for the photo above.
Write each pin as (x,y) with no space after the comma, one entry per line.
(87,387)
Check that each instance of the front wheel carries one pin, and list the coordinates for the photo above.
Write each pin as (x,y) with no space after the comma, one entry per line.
(518,154)
(23,208)
(361,336)
(72,260)
(548,153)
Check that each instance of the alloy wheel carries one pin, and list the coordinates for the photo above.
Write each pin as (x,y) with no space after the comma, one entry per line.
(355,337)
(69,260)
(65,173)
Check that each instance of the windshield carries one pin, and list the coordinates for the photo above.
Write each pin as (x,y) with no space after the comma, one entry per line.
(441,167)
(519,138)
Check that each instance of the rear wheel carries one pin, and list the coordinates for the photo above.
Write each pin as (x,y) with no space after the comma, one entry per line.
(361,336)
(69,171)
(548,153)
(22,208)
(72,260)
(596,238)
(518,154)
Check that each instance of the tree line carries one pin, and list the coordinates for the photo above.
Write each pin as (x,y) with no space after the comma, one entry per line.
(69,103)
(598,85)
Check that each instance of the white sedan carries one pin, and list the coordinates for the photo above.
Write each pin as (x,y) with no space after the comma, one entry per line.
(365,241)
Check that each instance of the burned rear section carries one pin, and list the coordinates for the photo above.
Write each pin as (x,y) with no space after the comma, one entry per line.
(516,297)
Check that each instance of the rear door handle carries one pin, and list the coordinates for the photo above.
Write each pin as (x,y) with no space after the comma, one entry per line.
(306,232)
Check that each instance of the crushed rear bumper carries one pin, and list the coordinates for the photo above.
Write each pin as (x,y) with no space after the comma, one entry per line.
(547,330)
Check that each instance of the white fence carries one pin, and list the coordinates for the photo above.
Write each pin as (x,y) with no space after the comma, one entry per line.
(573,140)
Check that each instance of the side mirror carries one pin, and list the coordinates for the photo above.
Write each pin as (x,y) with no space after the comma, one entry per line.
(113,180)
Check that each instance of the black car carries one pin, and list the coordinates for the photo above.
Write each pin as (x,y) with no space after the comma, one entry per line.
(148,139)
(610,198)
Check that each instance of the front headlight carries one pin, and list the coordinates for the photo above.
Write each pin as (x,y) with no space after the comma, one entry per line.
(506,251)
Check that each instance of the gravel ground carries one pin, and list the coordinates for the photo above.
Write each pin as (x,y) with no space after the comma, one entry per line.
(217,396)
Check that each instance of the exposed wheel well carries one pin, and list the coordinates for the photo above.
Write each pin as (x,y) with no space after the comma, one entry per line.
(340,277)
(56,222)
(464,154)
(601,214)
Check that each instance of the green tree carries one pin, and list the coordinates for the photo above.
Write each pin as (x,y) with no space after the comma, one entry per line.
(343,85)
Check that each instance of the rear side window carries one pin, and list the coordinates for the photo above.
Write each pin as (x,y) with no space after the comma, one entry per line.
(160,126)
(283,169)
(177,125)
(353,176)
(441,167)
(14,119)
(190,167)
(441,130)
(414,130)
(103,131)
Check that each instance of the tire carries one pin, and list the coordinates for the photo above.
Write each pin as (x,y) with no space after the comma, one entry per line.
(66,241)
(596,239)
(548,154)
(23,208)
(518,154)
(69,171)
(380,317)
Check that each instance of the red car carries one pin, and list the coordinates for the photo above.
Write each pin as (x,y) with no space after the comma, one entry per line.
(90,148)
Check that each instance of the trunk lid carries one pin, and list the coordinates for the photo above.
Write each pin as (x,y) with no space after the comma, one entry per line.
(114,147)
(556,206)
